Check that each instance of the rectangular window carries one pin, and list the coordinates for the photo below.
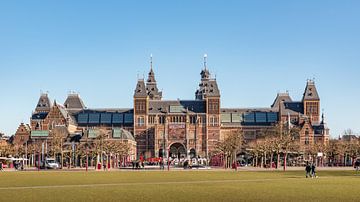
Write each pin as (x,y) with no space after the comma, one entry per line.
(161,119)
(272,117)
(249,117)
(105,118)
(151,119)
(236,118)
(225,118)
(83,118)
(140,121)
(117,118)
(260,117)
(129,118)
(213,121)
(94,118)
(192,119)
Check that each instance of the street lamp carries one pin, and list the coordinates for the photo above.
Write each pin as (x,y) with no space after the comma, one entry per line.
(168,158)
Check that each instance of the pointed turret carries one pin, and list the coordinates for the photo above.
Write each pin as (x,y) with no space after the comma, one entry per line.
(310,92)
(205,74)
(151,85)
(140,90)
(44,103)
(311,101)
(208,86)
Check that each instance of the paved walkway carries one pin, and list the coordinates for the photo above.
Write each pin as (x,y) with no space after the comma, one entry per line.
(156,168)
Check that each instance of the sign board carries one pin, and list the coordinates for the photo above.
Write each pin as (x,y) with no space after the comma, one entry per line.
(176,126)
(39,133)
(176,109)
(320,154)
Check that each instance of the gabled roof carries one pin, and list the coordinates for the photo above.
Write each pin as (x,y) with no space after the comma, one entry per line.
(207,88)
(285,97)
(43,104)
(310,92)
(140,90)
(74,102)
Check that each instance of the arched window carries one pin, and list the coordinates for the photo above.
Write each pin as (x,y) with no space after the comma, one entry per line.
(307,137)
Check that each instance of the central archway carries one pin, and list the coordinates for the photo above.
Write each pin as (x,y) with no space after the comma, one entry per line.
(177,150)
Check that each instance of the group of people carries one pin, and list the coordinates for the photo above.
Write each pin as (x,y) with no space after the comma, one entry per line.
(310,170)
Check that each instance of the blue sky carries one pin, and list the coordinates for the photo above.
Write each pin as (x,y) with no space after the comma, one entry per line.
(255,48)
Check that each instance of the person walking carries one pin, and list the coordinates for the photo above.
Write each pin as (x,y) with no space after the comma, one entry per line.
(357,165)
(308,170)
(313,171)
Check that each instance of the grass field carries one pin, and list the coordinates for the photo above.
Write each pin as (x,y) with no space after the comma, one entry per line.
(178,186)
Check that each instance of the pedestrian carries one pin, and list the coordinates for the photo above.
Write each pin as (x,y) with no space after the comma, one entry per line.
(313,171)
(357,165)
(308,170)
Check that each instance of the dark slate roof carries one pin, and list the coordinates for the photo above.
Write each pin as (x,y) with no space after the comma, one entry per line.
(140,90)
(151,87)
(74,102)
(109,110)
(288,106)
(151,77)
(166,106)
(285,97)
(318,129)
(310,92)
(207,87)
(43,104)
(39,115)
(244,110)
(292,108)
(205,74)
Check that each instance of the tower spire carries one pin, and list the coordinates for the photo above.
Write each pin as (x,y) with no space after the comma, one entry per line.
(205,58)
(151,61)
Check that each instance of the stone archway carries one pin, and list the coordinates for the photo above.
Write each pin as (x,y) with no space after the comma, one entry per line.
(177,150)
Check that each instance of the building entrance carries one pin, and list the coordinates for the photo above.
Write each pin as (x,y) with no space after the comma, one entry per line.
(177,150)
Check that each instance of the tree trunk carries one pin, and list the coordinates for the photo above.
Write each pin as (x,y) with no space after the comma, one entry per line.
(278,160)
(265,159)
(271,159)
(285,157)
(62,159)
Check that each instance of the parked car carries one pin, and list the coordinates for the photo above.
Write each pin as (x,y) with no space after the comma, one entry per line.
(50,163)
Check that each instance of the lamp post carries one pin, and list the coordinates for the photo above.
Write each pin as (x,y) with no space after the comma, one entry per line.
(168,159)
(87,159)
(39,161)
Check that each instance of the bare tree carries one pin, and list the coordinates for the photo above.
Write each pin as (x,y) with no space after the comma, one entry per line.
(230,146)
(58,136)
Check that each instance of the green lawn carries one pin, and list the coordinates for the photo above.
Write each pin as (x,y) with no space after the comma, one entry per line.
(178,186)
